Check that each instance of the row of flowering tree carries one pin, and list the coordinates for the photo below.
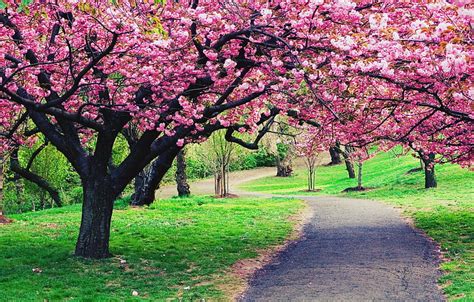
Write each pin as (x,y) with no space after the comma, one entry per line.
(82,72)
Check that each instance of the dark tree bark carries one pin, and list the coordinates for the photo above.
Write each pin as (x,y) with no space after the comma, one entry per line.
(34,178)
(284,171)
(335,155)
(350,168)
(284,167)
(429,167)
(139,183)
(145,195)
(147,180)
(181,178)
(348,162)
(359,176)
(97,207)
(145,191)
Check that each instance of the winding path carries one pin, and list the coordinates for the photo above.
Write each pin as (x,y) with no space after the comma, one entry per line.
(351,250)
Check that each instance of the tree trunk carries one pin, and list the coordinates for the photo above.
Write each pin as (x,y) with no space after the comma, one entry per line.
(224,182)
(429,165)
(284,168)
(311,179)
(218,183)
(335,155)
(349,164)
(359,176)
(138,184)
(181,178)
(145,192)
(97,207)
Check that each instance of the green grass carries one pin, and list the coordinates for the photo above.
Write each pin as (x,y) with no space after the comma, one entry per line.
(445,213)
(177,248)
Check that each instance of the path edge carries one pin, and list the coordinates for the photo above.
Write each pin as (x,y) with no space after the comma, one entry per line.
(236,280)
(436,246)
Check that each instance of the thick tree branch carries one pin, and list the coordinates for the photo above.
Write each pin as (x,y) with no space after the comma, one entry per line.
(34,178)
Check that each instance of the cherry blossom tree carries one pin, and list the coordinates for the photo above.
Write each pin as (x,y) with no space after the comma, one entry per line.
(81,72)
(417,88)
(309,145)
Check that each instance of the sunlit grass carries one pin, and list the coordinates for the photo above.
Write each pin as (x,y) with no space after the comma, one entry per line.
(177,248)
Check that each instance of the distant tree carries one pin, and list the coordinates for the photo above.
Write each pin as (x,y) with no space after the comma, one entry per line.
(309,144)
(335,154)
(311,161)
(428,160)
(359,175)
(360,155)
(180,176)
(429,165)
(280,142)
(346,153)
(222,152)
(284,159)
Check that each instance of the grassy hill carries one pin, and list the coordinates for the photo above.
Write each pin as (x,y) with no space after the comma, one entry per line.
(177,248)
(445,213)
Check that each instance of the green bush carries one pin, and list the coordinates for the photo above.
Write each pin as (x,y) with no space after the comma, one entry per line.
(21,195)
(75,195)
(196,169)
(264,159)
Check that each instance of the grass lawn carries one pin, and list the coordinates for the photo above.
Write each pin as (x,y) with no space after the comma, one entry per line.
(177,248)
(445,213)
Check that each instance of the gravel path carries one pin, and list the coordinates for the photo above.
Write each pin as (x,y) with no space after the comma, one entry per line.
(351,250)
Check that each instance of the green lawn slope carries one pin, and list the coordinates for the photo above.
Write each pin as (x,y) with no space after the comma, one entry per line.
(176,249)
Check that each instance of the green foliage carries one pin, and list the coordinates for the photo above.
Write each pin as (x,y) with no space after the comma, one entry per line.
(23,4)
(122,203)
(120,150)
(196,168)
(22,195)
(264,158)
(446,213)
(282,149)
(75,195)
(177,249)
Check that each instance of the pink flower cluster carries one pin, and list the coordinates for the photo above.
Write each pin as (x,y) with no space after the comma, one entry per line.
(383,71)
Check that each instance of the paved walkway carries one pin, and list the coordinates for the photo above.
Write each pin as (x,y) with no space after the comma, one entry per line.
(351,250)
